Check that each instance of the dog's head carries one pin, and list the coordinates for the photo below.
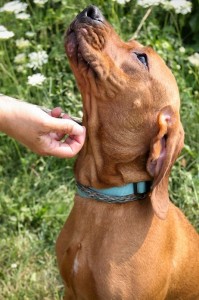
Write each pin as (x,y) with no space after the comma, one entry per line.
(130,105)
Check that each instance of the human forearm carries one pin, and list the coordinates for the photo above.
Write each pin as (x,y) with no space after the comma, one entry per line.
(6,107)
(14,115)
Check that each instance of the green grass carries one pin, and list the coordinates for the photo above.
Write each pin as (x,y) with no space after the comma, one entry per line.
(36,193)
(36,196)
(29,269)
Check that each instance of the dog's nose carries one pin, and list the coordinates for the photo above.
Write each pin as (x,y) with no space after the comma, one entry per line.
(93,13)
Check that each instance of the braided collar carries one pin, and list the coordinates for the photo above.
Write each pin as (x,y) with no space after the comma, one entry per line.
(121,194)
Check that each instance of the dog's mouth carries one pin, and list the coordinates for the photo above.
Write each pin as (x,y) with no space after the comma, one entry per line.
(85,37)
(73,47)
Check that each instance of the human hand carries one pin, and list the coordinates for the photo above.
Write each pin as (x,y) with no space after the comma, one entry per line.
(40,132)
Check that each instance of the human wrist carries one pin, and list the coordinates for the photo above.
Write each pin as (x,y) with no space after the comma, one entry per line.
(3,113)
(6,107)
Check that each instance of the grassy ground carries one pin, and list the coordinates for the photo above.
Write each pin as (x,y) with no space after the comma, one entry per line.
(36,193)
(36,196)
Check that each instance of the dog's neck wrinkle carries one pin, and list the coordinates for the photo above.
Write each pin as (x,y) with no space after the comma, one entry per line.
(95,167)
(89,160)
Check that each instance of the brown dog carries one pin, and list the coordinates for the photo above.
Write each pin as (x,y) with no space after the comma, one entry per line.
(135,250)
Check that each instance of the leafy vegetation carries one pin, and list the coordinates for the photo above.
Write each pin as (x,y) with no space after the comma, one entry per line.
(36,193)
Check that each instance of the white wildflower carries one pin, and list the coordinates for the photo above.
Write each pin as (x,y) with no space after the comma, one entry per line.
(14,266)
(148,3)
(5,34)
(20,58)
(40,2)
(21,69)
(122,1)
(37,59)
(14,6)
(166,45)
(180,6)
(29,34)
(22,43)
(182,49)
(22,16)
(36,79)
(194,59)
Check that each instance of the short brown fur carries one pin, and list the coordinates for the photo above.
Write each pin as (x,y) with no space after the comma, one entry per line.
(144,249)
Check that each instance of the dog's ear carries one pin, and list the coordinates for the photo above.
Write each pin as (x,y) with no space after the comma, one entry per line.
(165,147)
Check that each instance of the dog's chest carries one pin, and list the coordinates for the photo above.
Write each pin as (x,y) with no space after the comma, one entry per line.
(91,274)
(103,264)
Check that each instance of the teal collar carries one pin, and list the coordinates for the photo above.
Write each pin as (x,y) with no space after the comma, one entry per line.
(119,194)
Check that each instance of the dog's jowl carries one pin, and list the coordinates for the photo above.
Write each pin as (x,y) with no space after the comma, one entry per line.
(124,239)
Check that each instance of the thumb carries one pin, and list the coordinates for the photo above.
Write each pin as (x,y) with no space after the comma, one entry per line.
(66,126)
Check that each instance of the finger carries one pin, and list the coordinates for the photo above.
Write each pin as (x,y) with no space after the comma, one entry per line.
(72,139)
(64,126)
(69,148)
(66,116)
(56,112)
(56,135)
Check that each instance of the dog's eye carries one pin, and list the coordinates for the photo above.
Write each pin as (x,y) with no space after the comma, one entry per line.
(143,59)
